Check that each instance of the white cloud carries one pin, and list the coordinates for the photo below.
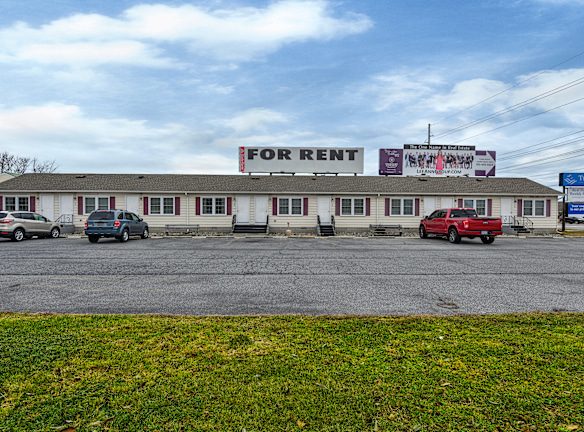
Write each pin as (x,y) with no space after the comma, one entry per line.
(136,36)
(253,119)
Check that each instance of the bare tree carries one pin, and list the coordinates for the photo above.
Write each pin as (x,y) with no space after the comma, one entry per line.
(20,164)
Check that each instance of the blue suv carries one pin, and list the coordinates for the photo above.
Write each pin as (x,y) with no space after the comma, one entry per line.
(120,224)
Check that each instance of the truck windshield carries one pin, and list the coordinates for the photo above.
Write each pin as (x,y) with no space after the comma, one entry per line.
(463,213)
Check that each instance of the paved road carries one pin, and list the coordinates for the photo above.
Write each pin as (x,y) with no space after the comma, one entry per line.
(227,276)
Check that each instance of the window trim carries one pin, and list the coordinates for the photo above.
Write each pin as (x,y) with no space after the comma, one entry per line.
(533,207)
(401,206)
(16,203)
(353,207)
(474,200)
(161,197)
(290,206)
(95,197)
(214,198)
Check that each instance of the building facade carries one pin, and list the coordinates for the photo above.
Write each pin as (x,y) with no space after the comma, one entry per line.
(296,202)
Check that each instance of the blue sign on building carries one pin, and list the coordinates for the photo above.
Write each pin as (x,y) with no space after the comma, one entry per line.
(575,209)
(572,179)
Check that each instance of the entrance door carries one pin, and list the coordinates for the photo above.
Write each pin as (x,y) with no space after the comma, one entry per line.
(48,206)
(507,210)
(260,209)
(243,209)
(447,202)
(66,207)
(429,205)
(133,203)
(324,209)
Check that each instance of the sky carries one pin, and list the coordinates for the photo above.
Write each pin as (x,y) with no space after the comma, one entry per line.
(126,86)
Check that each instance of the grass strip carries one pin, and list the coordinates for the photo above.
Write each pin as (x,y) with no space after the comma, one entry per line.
(70,373)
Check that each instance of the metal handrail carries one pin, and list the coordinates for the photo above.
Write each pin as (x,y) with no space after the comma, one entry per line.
(65,218)
(318,225)
(267,224)
(233,223)
(333,224)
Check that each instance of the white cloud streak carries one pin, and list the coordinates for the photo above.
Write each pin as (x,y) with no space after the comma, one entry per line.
(137,36)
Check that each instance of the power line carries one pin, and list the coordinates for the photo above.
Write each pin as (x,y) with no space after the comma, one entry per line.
(517,121)
(514,107)
(510,88)
(560,144)
(538,162)
(543,142)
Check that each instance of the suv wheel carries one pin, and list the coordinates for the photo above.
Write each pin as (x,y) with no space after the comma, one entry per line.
(145,233)
(55,232)
(93,238)
(18,235)
(124,236)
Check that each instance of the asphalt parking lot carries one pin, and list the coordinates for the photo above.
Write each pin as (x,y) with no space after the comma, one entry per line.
(280,275)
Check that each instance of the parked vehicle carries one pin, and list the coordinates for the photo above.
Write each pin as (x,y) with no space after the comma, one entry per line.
(18,225)
(573,219)
(120,224)
(461,222)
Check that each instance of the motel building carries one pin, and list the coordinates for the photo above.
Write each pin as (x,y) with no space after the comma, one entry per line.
(329,198)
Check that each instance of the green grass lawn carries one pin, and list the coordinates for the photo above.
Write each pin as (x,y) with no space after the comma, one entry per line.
(291,373)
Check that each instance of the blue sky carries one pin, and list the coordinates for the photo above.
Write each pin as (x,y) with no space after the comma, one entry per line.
(128,86)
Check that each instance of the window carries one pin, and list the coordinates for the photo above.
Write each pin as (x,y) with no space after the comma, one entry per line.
(352,206)
(534,208)
(161,205)
(480,205)
(213,206)
(16,203)
(290,207)
(402,207)
(95,203)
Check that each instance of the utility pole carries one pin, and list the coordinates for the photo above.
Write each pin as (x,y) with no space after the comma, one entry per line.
(429,135)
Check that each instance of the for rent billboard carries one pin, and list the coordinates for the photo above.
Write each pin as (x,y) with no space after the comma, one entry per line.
(301,160)
(437,160)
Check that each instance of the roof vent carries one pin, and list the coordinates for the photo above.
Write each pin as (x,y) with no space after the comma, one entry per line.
(255,177)
(422,179)
(140,176)
(80,176)
(479,179)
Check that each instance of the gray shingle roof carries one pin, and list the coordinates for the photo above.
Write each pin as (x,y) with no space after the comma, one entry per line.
(178,183)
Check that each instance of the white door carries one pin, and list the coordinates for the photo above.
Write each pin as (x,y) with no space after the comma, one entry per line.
(446,202)
(260,208)
(66,207)
(507,210)
(429,205)
(48,206)
(324,209)
(242,209)
(133,203)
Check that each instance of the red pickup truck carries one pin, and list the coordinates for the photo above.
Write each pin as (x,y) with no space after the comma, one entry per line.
(460,222)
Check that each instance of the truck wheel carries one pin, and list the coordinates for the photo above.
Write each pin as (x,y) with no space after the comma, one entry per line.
(487,239)
(453,236)
(423,233)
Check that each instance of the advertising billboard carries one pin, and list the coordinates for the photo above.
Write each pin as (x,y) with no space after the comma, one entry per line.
(571,179)
(576,194)
(575,209)
(436,161)
(301,160)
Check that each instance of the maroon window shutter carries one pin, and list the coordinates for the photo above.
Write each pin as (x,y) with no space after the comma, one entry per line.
(229,204)
(305,210)
(32,204)
(417,207)
(146,208)
(520,207)
(490,208)
(460,202)
(275,206)
(367,206)
(112,203)
(387,206)
(177,206)
(1,203)
(80,205)
(198,206)
(337,206)
(548,208)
